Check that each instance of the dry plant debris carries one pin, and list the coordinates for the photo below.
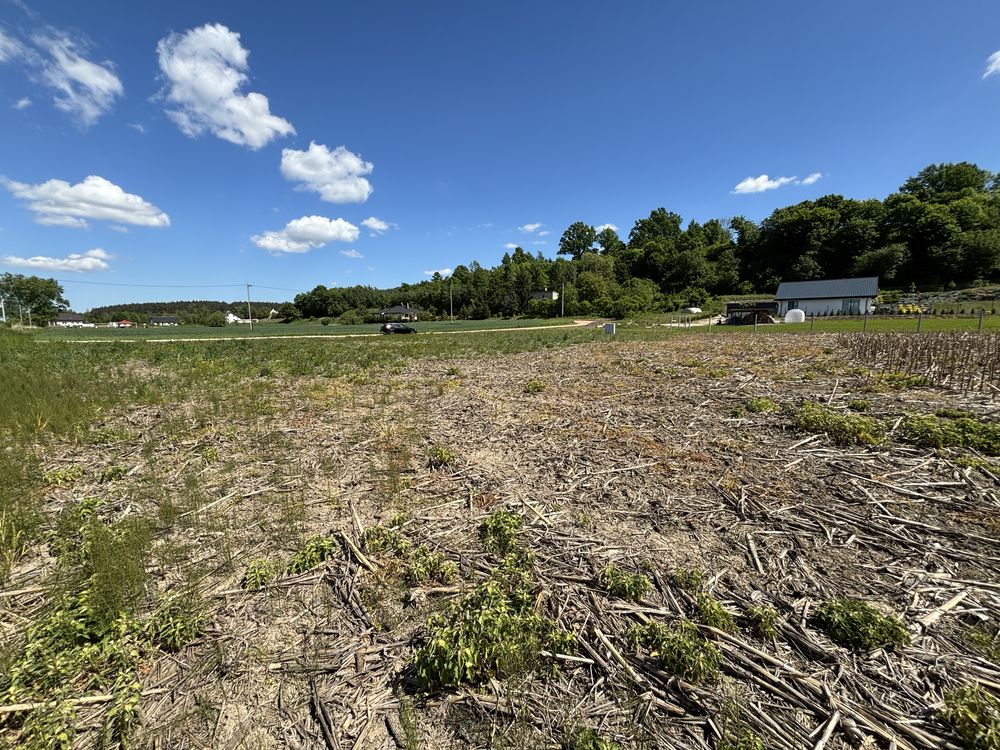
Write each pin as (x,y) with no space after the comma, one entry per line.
(292,524)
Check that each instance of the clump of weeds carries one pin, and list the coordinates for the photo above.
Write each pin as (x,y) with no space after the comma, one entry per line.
(631,586)
(860,626)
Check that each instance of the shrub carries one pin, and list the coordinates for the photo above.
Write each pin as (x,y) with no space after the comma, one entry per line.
(259,573)
(316,550)
(974,714)
(713,614)
(689,580)
(763,620)
(681,648)
(324,321)
(858,625)
(499,531)
(843,429)
(631,586)
(761,405)
(492,632)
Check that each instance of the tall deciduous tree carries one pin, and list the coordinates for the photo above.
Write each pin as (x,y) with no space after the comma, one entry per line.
(44,297)
(577,239)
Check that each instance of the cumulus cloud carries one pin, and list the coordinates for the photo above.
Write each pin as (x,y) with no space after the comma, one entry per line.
(57,203)
(338,175)
(511,246)
(22,103)
(544,233)
(84,89)
(602,227)
(205,70)
(442,271)
(352,254)
(992,64)
(762,183)
(303,234)
(377,226)
(529,228)
(812,179)
(92,260)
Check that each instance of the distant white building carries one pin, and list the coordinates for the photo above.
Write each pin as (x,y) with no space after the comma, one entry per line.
(231,319)
(71,320)
(828,296)
(545,295)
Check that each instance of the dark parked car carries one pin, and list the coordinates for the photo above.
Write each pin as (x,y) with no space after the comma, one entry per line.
(397,328)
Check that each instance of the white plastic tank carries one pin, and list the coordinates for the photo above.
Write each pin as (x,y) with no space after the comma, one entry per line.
(795,316)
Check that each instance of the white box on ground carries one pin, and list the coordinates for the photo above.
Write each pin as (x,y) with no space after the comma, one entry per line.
(610,328)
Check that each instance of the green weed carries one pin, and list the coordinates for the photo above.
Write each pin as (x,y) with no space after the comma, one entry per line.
(316,550)
(713,614)
(681,648)
(761,405)
(859,404)
(689,580)
(974,714)
(929,431)
(492,632)
(498,532)
(843,429)
(379,540)
(763,620)
(424,566)
(631,586)
(64,476)
(534,386)
(113,474)
(587,739)
(260,572)
(438,456)
(176,622)
(858,625)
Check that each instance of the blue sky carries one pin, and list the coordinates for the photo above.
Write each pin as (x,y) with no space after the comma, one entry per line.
(347,142)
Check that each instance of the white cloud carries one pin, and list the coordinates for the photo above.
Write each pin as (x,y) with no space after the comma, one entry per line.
(529,228)
(22,103)
(992,64)
(378,226)
(511,246)
(9,47)
(442,271)
(352,254)
(84,89)
(338,176)
(136,126)
(601,228)
(812,179)
(544,233)
(540,242)
(92,260)
(760,184)
(303,234)
(205,69)
(118,228)
(57,203)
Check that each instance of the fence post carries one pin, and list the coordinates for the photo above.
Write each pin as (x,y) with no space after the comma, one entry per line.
(864,328)
(981,310)
(755,322)
(709,323)
(920,316)
(812,322)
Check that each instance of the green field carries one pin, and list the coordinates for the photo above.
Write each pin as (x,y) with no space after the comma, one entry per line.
(268,328)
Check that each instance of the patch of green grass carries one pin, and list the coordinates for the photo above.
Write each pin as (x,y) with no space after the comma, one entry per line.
(498,532)
(689,579)
(534,386)
(930,431)
(438,456)
(63,476)
(974,715)
(631,586)
(680,648)
(586,739)
(859,404)
(113,474)
(900,381)
(491,633)
(761,405)
(316,550)
(713,614)
(860,626)
(843,429)
(763,620)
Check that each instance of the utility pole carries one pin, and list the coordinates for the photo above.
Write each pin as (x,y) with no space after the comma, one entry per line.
(562,301)
(3,309)
(249,312)
(451,301)
(29,317)
(20,313)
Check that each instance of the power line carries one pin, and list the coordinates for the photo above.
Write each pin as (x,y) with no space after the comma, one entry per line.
(149,286)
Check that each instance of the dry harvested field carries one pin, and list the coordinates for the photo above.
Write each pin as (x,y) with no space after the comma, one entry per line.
(734,542)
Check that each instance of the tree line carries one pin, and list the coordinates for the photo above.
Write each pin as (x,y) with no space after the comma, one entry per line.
(940,229)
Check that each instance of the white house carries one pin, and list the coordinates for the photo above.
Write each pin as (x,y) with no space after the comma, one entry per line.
(828,296)
(70,320)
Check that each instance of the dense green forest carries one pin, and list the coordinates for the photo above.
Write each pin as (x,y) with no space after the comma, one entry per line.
(941,229)
(200,312)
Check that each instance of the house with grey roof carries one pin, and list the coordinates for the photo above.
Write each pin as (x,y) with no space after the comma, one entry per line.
(828,296)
